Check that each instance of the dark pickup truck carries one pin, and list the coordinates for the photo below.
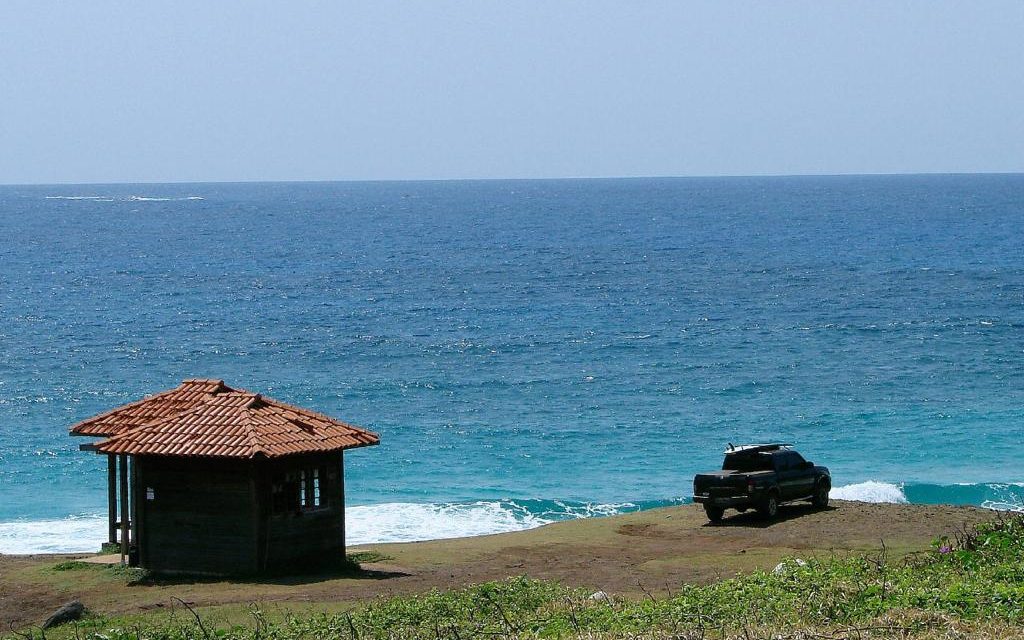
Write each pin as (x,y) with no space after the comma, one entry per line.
(761,476)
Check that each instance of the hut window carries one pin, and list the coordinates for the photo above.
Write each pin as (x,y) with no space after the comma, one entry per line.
(298,491)
(309,497)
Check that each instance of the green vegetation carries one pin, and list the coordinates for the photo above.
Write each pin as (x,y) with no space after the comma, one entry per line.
(972,586)
(71,565)
(128,575)
(366,557)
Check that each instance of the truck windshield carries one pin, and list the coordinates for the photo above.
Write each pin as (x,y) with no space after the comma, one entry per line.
(747,462)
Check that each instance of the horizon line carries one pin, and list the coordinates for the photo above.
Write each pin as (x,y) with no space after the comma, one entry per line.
(522,179)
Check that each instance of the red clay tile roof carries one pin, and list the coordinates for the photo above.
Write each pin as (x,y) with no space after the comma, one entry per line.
(161,405)
(236,424)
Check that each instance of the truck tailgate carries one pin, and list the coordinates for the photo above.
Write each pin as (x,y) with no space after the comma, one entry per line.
(725,483)
(720,483)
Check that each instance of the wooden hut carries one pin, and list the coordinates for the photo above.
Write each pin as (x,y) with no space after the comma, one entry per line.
(206,479)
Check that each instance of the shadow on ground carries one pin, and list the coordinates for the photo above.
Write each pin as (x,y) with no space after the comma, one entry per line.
(309,576)
(753,519)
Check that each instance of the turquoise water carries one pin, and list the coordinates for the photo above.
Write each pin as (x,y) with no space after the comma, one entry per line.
(528,350)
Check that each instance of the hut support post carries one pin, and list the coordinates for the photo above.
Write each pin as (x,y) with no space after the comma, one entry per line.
(133,521)
(125,510)
(341,482)
(112,499)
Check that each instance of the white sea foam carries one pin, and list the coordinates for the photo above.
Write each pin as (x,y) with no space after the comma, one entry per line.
(107,198)
(75,534)
(125,198)
(160,199)
(1005,498)
(1001,505)
(393,522)
(407,522)
(870,491)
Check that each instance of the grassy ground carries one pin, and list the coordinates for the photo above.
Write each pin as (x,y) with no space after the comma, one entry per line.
(666,572)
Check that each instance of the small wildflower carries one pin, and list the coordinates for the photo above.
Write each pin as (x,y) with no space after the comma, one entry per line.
(945,549)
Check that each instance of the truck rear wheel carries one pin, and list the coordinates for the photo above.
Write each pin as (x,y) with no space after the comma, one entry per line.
(770,507)
(714,513)
(820,498)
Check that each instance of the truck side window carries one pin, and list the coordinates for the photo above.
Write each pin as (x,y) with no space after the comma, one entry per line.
(746,462)
(788,461)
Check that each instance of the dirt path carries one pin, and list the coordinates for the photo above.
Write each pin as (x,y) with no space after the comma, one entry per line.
(653,550)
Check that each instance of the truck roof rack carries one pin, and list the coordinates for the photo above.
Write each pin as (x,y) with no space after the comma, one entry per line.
(756,448)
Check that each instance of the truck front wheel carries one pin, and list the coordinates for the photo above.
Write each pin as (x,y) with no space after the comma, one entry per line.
(770,507)
(820,499)
(714,513)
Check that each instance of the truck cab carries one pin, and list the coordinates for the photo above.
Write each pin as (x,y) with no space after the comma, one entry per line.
(761,476)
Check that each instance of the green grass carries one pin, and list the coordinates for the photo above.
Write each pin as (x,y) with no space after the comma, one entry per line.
(365,557)
(128,575)
(976,580)
(71,565)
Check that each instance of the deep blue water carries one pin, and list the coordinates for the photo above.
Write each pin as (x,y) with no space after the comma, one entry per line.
(593,342)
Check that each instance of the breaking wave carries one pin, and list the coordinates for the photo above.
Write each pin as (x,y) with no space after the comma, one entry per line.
(870,491)
(1000,496)
(392,522)
(409,522)
(74,534)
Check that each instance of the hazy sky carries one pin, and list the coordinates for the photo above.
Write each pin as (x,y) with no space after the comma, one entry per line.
(220,90)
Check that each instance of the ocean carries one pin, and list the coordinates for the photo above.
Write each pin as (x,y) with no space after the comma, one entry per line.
(529,351)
